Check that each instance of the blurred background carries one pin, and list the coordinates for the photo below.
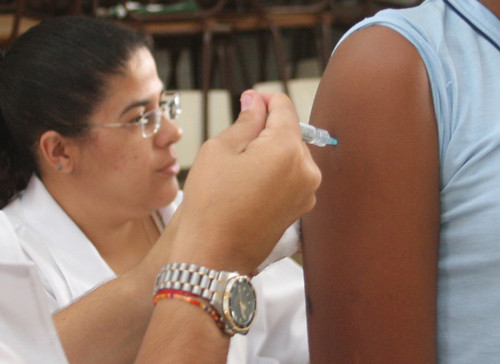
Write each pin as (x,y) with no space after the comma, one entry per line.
(212,50)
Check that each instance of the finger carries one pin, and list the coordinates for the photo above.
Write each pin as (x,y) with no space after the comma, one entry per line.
(282,132)
(250,122)
(282,115)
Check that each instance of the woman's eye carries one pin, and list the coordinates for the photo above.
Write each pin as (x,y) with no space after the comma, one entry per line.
(139,120)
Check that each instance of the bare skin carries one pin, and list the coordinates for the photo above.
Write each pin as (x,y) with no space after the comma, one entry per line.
(493,5)
(112,319)
(370,244)
(125,179)
(209,232)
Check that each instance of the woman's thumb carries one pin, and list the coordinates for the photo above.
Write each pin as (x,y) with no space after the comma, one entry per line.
(250,122)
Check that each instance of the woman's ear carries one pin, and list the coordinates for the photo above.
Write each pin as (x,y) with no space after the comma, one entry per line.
(56,151)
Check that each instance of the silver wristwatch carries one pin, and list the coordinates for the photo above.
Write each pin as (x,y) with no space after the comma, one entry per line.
(231,294)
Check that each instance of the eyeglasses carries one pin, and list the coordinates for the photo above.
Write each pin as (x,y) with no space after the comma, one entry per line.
(150,121)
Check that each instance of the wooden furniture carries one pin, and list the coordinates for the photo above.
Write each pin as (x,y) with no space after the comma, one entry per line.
(13,21)
(17,16)
(312,21)
(271,18)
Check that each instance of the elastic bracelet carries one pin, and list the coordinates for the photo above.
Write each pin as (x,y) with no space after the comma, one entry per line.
(190,299)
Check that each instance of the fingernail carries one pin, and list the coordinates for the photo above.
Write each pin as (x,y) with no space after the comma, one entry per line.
(246,102)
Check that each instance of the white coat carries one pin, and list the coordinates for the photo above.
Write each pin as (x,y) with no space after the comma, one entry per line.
(27,332)
(71,266)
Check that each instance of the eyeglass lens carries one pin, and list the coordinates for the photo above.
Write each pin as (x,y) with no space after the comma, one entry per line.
(170,108)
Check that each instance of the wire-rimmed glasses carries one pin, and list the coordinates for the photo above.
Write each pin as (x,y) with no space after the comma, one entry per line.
(150,121)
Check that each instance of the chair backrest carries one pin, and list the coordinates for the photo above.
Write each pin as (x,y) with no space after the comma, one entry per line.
(301,91)
(11,13)
(17,16)
(191,121)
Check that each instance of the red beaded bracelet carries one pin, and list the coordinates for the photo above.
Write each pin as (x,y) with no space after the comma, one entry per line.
(190,298)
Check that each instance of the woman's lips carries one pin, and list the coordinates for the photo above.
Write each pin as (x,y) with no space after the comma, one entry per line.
(171,169)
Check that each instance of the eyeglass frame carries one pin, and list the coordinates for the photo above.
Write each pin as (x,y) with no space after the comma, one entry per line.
(171,108)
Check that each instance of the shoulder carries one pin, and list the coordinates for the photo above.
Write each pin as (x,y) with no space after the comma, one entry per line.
(377,53)
(374,85)
(10,249)
(397,39)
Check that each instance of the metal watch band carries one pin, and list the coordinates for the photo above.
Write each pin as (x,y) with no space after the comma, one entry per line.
(200,281)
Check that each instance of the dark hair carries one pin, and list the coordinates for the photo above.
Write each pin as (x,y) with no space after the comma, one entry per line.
(52,78)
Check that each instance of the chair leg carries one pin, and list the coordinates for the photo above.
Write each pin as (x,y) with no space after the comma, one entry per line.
(226,69)
(194,48)
(175,55)
(297,48)
(262,45)
(206,78)
(239,60)
(327,38)
(279,47)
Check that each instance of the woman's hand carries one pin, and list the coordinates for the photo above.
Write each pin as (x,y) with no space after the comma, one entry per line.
(247,185)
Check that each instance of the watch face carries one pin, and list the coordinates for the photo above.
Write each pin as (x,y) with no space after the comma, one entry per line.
(242,303)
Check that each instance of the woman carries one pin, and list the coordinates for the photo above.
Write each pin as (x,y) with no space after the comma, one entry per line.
(402,253)
(91,181)
(178,332)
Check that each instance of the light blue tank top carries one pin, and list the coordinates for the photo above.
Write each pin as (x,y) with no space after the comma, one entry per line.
(459,42)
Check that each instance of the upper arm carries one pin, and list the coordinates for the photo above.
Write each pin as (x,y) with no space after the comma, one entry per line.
(370,244)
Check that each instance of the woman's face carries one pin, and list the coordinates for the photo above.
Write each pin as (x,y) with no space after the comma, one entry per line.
(118,167)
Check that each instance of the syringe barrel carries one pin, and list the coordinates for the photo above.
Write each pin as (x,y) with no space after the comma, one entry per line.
(315,136)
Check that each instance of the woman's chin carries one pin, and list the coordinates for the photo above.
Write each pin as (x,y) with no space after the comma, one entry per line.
(168,195)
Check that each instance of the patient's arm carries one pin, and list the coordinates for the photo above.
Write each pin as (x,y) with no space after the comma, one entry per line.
(370,244)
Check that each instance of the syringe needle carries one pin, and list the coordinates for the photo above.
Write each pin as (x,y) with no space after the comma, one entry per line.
(316,136)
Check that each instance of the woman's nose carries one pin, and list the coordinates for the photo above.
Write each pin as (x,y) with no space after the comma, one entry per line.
(168,133)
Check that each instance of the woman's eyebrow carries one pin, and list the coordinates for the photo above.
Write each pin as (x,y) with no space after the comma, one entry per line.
(141,102)
(134,105)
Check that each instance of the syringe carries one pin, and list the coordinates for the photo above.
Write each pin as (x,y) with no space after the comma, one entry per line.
(316,136)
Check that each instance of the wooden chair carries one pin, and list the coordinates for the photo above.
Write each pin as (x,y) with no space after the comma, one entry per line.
(303,15)
(17,16)
(272,18)
(302,93)
(13,21)
(191,121)
(349,12)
